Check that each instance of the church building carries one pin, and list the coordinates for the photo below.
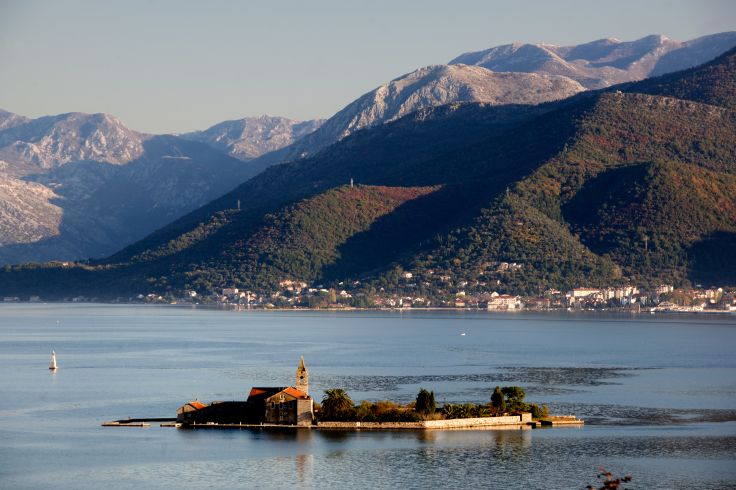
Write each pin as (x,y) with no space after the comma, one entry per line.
(289,405)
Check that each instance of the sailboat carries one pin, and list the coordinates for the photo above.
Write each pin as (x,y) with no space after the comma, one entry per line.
(53,366)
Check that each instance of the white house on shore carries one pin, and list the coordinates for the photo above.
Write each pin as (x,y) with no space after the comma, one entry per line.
(504,302)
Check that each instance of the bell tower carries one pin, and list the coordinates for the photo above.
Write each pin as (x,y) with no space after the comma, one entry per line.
(302,377)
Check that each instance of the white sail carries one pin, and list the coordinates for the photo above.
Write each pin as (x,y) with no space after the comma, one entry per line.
(53,366)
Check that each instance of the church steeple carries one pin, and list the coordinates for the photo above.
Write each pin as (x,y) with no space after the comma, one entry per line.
(302,377)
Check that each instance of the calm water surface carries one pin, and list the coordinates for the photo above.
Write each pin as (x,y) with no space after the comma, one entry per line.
(658,394)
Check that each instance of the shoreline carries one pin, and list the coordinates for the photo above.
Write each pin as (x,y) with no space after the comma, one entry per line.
(522,421)
(235,307)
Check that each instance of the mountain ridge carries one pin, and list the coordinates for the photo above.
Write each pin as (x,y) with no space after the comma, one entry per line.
(250,137)
(426,87)
(597,64)
(502,192)
(603,62)
(475,140)
(81,185)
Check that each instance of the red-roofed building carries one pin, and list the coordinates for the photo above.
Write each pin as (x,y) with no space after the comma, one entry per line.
(289,405)
(292,405)
(190,407)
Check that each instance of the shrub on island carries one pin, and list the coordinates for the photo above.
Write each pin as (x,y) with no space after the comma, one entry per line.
(425,403)
(337,406)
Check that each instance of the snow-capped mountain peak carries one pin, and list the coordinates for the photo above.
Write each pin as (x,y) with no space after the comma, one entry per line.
(51,141)
(250,137)
(602,62)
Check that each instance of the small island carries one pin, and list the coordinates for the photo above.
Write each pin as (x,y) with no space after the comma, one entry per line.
(292,406)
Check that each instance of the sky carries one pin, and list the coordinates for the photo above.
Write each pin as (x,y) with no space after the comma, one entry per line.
(175,66)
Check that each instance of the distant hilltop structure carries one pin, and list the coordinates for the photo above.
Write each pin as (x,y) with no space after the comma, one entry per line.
(290,405)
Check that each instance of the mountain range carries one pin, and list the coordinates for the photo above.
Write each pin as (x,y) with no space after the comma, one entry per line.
(604,62)
(635,183)
(429,87)
(561,70)
(83,185)
(251,137)
(80,185)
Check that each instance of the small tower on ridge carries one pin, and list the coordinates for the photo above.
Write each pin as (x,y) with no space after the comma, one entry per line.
(302,377)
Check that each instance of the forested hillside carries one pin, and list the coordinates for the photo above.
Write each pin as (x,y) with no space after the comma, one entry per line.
(632,184)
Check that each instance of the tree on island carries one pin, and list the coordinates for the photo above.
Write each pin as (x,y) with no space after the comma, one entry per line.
(514,397)
(498,401)
(337,405)
(511,398)
(425,403)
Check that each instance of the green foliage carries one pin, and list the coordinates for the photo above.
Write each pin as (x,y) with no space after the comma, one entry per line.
(712,259)
(713,83)
(692,148)
(301,240)
(653,220)
(498,401)
(387,411)
(425,403)
(366,412)
(539,412)
(380,411)
(337,405)
(184,241)
(465,411)
(598,189)
(514,398)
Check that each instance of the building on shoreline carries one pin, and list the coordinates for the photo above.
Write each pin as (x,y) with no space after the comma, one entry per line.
(290,405)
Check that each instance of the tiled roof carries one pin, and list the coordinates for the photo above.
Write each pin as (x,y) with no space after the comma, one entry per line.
(261,393)
(292,392)
(295,393)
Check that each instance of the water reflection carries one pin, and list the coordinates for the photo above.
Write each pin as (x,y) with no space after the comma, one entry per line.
(304,464)
(517,439)
(290,435)
(663,376)
(335,435)
(427,436)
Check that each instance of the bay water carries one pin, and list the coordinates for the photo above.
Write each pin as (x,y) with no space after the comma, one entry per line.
(658,393)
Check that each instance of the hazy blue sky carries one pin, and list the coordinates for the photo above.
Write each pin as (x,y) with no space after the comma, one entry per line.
(170,66)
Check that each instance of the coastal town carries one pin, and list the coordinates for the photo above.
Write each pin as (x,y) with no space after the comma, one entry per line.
(294,294)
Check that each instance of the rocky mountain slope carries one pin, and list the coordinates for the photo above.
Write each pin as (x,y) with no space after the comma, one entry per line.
(52,141)
(603,62)
(57,172)
(8,119)
(252,137)
(563,70)
(84,185)
(430,87)
(566,190)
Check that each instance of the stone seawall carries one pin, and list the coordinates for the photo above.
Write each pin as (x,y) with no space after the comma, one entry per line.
(480,422)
